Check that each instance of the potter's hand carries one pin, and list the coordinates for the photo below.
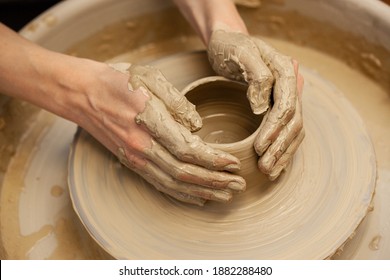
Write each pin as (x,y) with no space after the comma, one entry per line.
(240,57)
(129,110)
(162,149)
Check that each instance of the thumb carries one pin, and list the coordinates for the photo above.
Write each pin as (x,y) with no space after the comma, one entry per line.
(177,104)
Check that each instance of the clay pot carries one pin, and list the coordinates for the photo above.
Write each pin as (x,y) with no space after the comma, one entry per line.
(356,32)
(228,121)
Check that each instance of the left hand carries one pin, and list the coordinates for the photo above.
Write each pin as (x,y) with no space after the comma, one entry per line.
(238,56)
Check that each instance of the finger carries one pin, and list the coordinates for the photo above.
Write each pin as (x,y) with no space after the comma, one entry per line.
(280,145)
(180,142)
(300,80)
(286,157)
(235,56)
(163,182)
(282,142)
(275,151)
(191,173)
(259,95)
(285,95)
(256,73)
(177,104)
(133,162)
(183,197)
(259,78)
(278,117)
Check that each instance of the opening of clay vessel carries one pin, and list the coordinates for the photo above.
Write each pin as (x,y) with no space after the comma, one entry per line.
(65,196)
(225,110)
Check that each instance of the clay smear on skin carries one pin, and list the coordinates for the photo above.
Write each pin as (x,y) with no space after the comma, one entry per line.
(374,109)
(278,209)
(307,57)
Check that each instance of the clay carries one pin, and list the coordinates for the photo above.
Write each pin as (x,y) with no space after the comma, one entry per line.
(324,64)
(248,3)
(175,157)
(57,191)
(222,104)
(282,129)
(52,230)
(344,70)
(287,209)
(375,242)
(243,64)
(228,121)
(150,81)
(266,71)
(167,134)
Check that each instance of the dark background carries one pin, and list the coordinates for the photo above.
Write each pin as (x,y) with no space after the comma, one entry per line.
(17,13)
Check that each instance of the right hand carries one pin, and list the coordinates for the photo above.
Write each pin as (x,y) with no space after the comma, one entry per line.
(270,76)
(145,121)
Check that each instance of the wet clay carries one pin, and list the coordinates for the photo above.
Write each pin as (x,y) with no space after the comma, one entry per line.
(354,56)
(224,109)
(151,82)
(318,61)
(299,206)
(57,191)
(37,217)
(237,64)
(174,157)
(229,123)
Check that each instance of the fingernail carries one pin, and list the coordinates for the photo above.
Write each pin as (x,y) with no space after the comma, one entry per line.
(223,196)
(233,167)
(276,173)
(259,109)
(197,124)
(237,186)
(199,202)
(267,162)
(260,148)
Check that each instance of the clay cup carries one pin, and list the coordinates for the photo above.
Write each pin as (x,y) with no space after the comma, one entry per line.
(228,121)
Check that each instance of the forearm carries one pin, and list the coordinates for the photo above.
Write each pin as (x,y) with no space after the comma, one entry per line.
(205,16)
(39,76)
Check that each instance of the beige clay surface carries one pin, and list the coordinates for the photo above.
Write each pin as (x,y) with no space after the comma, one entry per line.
(174,152)
(294,217)
(38,221)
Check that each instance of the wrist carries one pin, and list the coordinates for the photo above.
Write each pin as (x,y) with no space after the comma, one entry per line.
(77,83)
(62,84)
(206,16)
(226,18)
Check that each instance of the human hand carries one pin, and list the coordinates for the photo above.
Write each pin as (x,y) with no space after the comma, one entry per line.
(146,124)
(129,110)
(240,57)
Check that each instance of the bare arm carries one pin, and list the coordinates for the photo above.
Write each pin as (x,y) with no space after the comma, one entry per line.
(50,80)
(206,16)
(132,111)
(235,55)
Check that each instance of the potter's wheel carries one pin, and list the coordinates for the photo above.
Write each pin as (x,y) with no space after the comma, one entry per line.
(308,213)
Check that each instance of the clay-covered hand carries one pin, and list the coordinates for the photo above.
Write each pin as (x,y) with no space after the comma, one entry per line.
(161,147)
(274,87)
(130,110)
